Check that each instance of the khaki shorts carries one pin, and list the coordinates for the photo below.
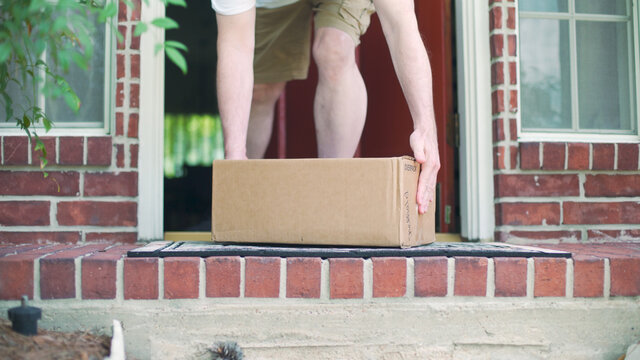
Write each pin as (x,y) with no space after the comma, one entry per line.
(283,35)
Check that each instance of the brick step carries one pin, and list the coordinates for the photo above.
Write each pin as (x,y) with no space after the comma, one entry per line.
(102,271)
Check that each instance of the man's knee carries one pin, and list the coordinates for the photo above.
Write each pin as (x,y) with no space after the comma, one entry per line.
(333,51)
(267,93)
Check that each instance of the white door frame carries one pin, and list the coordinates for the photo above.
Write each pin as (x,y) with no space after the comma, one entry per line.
(151,152)
(474,107)
(474,102)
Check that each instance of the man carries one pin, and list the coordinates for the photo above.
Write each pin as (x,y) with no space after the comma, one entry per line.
(282,36)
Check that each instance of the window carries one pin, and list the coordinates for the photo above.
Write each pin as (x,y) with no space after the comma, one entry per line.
(579,67)
(94,87)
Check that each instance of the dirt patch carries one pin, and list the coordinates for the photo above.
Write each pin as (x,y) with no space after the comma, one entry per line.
(52,345)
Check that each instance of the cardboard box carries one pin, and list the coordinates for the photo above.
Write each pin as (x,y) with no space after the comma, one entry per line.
(354,202)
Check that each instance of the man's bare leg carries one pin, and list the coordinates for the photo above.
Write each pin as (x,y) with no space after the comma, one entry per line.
(235,79)
(340,106)
(261,118)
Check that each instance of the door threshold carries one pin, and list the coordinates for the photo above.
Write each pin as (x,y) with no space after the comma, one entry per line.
(206,236)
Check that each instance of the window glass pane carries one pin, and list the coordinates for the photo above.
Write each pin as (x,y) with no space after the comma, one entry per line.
(21,96)
(544,5)
(606,7)
(88,85)
(603,75)
(545,73)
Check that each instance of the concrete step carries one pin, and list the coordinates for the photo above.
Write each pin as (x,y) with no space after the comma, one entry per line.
(437,307)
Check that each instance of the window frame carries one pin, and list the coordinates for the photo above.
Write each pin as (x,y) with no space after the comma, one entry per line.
(84,128)
(573,135)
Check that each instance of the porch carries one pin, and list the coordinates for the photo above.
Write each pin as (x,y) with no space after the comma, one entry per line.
(458,307)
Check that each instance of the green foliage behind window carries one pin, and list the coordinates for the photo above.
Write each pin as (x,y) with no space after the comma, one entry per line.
(193,140)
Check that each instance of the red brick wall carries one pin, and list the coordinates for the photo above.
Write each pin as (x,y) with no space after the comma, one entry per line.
(553,191)
(92,188)
(595,271)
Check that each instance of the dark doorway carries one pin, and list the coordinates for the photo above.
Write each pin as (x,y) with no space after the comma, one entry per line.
(187,198)
(192,130)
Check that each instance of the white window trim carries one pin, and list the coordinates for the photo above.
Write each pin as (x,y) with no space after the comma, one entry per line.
(474,103)
(570,136)
(575,137)
(83,128)
(151,152)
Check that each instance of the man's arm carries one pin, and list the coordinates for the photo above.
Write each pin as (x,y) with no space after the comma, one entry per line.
(235,79)
(413,69)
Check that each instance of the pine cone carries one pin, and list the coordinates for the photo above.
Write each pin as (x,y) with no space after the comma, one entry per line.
(224,350)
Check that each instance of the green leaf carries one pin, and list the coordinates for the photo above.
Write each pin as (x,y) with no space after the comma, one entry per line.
(5,51)
(32,7)
(85,43)
(157,48)
(119,37)
(72,100)
(165,23)
(64,59)
(26,122)
(47,124)
(81,61)
(176,44)
(140,28)
(58,24)
(40,147)
(176,2)
(109,11)
(176,57)
(40,45)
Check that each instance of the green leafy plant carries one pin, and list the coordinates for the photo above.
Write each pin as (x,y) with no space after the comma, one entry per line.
(41,39)
(171,48)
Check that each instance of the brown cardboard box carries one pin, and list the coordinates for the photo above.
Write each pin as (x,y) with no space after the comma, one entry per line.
(355,202)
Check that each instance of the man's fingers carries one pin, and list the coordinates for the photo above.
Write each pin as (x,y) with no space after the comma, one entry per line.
(425,150)
(426,185)
(428,199)
(421,191)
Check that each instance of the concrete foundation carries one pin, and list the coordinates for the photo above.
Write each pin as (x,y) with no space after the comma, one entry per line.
(448,328)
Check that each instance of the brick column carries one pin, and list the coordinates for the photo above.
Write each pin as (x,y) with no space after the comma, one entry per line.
(553,191)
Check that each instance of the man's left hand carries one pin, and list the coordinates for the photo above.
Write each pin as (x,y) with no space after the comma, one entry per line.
(425,150)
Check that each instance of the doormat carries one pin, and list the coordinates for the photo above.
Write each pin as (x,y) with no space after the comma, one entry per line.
(206,249)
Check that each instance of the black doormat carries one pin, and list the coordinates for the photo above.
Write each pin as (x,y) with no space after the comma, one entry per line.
(206,249)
